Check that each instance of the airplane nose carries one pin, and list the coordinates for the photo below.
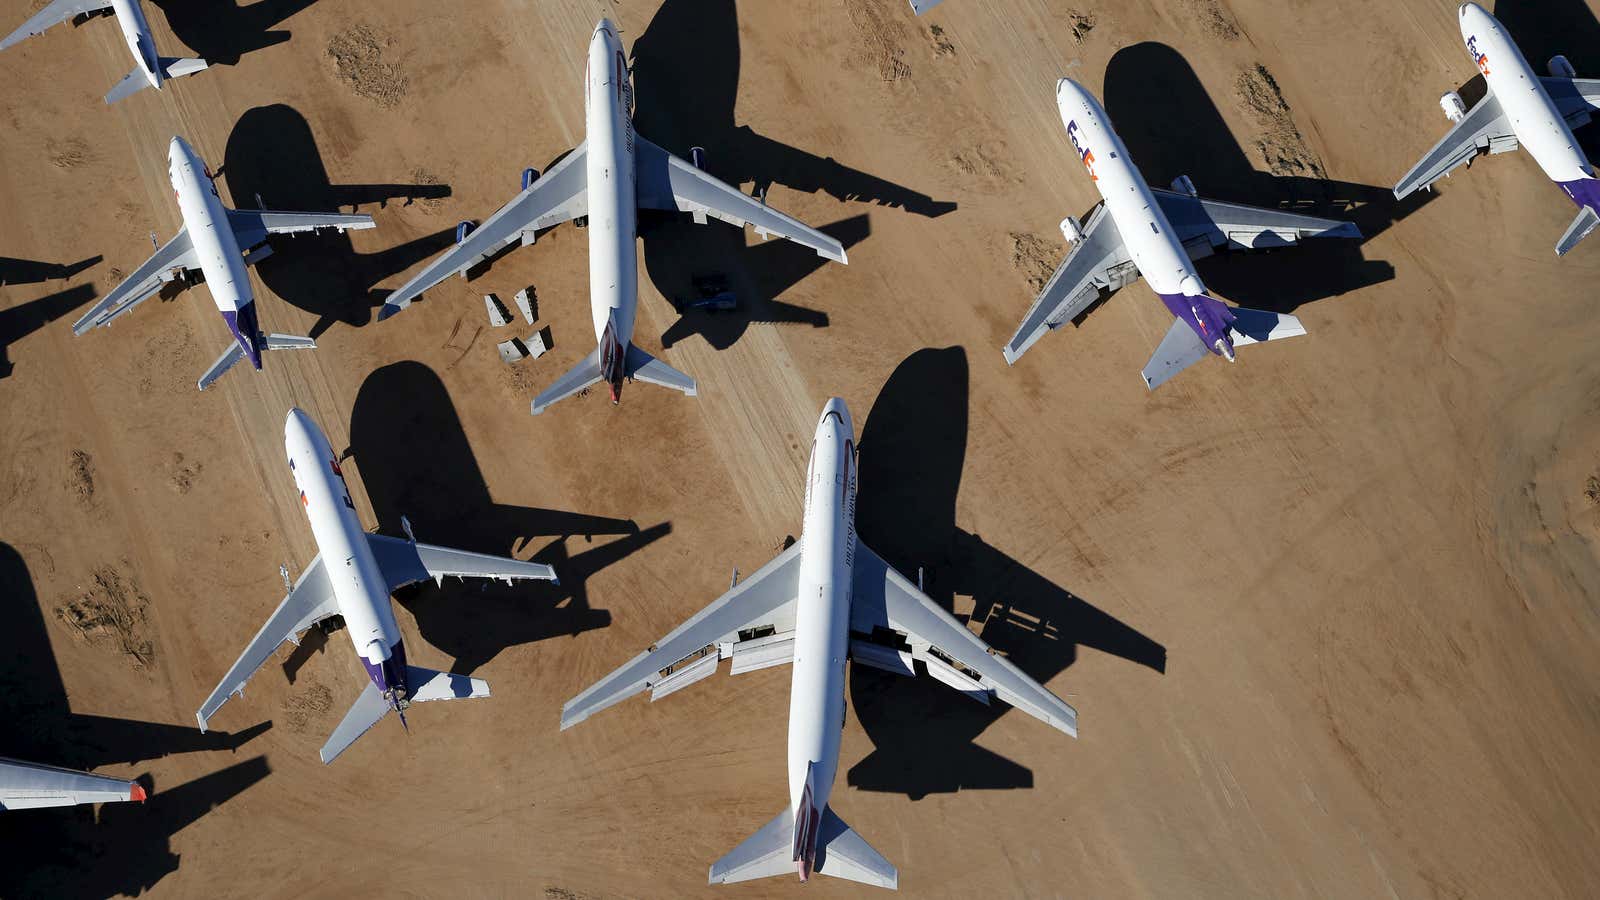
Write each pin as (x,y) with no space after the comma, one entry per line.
(175,149)
(605,27)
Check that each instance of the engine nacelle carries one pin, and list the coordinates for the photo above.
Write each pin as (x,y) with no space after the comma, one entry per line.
(1071,230)
(463,229)
(1183,185)
(529,176)
(1455,109)
(1560,68)
(697,156)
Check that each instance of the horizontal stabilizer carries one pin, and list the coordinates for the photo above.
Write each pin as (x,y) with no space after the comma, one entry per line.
(1179,350)
(179,66)
(1254,326)
(131,83)
(290,342)
(1579,229)
(584,374)
(842,853)
(426,684)
(764,854)
(644,367)
(370,707)
(233,354)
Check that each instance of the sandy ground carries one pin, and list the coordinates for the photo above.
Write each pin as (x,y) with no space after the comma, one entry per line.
(1327,615)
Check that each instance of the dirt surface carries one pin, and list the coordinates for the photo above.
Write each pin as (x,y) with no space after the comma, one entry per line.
(1328,614)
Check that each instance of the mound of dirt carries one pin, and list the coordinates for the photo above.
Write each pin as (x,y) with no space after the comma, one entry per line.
(1032,256)
(81,479)
(359,61)
(111,613)
(1282,148)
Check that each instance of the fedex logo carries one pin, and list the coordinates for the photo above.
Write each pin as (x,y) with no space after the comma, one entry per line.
(1080,145)
(1481,59)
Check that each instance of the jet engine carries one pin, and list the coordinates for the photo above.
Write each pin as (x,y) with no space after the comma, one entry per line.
(529,176)
(1455,109)
(463,229)
(697,156)
(1071,230)
(1560,68)
(1183,185)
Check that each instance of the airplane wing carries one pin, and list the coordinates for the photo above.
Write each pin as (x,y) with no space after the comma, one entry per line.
(251,226)
(144,283)
(1098,261)
(884,601)
(561,194)
(753,622)
(308,603)
(1484,126)
(1207,225)
(403,563)
(54,14)
(667,182)
(1574,97)
(25,785)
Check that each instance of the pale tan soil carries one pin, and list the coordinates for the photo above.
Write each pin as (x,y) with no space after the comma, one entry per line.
(1328,615)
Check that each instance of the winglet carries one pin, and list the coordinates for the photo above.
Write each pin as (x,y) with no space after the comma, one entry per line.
(136,792)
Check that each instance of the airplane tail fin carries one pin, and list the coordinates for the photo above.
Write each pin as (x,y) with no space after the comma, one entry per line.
(841,853)
(646,368)
(372,705)
(179,66)
(1579,229)
(232,355)
(131,83)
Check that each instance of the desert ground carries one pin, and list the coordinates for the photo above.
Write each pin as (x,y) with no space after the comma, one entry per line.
(1327,615)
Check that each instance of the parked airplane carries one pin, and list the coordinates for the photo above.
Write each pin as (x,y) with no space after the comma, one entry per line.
(921,6)
(25,785)
(825,598)
(214,240)
(1138,230)
(152,69)
(1518,109)
(604,182)
(364,570)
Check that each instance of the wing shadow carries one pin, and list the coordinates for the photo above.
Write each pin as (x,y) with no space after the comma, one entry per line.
(271,154)
(17,322)
(415,460)
(912,451)
(68,853)
(32,271)
(1172,127)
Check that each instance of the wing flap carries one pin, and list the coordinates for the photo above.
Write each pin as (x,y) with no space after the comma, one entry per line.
(308,603)
(251,226)
(1483,128)
(52,15)
(561,194)
(175,255)
(1098,262)
(403,562)
(1241,226)
(667,182)
(747,611)
(884,599)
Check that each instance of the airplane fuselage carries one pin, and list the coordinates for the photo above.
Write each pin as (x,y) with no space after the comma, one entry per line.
(613,205)
(353,573)
(215,246)
(136,31)
(1150,239)
(1538,124)
(822,627)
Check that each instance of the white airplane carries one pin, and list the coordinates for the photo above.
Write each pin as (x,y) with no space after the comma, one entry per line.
(1518,109)
(152,68)
(25,785)
(364,570)
(826,598)
(605,181)
(214,240)
(1139,230)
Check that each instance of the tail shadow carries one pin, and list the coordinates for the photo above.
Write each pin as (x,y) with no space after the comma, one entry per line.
(222,32)
(912,451)
(272,155)
(415,460)
(17,322)
(32,271)
(1172,127)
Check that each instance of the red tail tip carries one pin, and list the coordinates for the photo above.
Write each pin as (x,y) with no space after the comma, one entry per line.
(136,792)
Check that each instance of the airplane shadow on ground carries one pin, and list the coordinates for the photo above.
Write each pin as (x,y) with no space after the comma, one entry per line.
(415,461)
(222,32)
(686,82)
(272,154)
(19,321)
(65,852)
(912,451)
(1171,127)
